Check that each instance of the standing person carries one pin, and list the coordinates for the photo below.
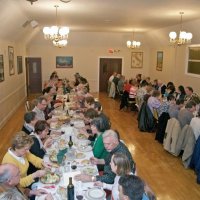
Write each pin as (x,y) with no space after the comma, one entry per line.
(110,81)
(120,165)
(120,84)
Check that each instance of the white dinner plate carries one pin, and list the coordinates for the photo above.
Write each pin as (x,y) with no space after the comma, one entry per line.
(95,194)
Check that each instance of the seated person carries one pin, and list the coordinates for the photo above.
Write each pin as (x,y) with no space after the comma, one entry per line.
(133,90)
(106,120)
(191,96)
(30,120)
(195,125)
(40,139)
(120,165)
(112,145)
(9,180)
(175,108)
(164,107)
(154,101)
(185,115)
(20,156)
(40,107)
(40,142)
(132,187)
(180,93)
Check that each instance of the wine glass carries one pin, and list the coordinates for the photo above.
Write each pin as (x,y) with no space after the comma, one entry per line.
(79,194)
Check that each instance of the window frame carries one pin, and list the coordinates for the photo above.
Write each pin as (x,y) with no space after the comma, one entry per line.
(187,60)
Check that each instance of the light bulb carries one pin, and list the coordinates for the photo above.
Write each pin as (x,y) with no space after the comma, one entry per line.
(172,35)
(46,30)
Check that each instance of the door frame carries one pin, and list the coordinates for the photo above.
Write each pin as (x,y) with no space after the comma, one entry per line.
(111,58)
(27,75)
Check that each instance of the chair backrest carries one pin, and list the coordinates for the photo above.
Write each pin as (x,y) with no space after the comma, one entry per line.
(188,146)
(173,130)
(27,106)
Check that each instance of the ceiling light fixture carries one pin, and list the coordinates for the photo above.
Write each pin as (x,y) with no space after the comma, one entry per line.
(183,38)
(32,1)
(133,44)
(58,35)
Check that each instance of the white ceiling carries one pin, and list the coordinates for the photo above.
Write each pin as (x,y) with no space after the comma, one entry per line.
(96,15)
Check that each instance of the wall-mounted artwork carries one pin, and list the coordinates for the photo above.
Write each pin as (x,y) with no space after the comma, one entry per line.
(1,68)
(136,59)
(159,65)
(11,60)
(19,64)
(64,61)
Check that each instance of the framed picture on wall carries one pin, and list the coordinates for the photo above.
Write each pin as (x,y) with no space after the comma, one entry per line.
(1,68)
(136,59)
(19,64)
(64,61)
(11,60)
(159,65)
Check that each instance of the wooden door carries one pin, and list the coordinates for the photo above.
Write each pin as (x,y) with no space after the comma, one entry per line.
(106,69)
(33,75)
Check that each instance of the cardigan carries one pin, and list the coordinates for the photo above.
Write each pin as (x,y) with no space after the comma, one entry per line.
(23,168)
(99,150)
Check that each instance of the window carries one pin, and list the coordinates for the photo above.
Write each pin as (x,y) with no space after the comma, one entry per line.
(193,63)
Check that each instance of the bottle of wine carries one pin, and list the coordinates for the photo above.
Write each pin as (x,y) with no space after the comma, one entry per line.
(70,190)
(68,98)
(70,143)
(63,104)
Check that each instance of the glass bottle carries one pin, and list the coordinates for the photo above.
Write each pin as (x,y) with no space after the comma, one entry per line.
(70,190)
(63,104)
(68,98)
(70,143)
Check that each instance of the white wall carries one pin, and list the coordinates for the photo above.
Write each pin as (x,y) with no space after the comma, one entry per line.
(13,88)
(174,61)
(86,49)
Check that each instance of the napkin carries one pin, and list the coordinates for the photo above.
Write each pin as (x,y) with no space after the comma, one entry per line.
(61,155)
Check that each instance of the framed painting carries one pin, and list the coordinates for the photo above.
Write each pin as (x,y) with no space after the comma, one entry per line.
(136,59)
(64,61)
(11,60)
(1,68)
(159,65)
(19,64)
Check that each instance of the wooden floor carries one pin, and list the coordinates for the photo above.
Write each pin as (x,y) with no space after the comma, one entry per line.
(163,172)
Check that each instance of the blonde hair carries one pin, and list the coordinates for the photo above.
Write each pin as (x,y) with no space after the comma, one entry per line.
(21,140)
(122,163)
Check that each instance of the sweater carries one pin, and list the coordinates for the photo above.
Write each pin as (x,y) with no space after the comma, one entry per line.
(99,150)
(29,157)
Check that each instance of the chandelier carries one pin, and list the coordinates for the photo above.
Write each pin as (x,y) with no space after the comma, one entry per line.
(133,44)
(183,37)
(57,34)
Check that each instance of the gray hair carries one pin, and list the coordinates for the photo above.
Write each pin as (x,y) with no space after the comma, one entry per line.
(12,194)
(110,133)
(5,175)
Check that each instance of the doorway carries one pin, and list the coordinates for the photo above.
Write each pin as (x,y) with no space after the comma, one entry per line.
(33,75)
(106,68)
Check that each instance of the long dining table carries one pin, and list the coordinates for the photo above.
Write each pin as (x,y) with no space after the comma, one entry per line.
(74,160)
